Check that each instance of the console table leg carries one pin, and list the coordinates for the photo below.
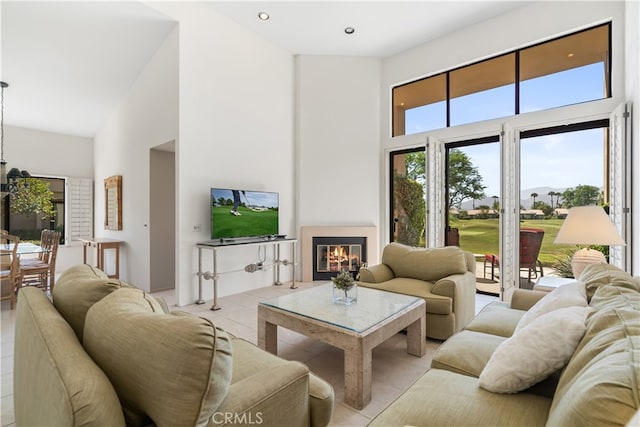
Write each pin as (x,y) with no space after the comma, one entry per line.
(215,305)
(293,266)
(277,262)
(200,300)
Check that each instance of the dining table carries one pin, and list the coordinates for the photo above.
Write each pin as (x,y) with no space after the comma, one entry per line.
(24,248)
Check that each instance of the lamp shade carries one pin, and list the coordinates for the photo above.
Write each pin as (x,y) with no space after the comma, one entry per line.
(588,225)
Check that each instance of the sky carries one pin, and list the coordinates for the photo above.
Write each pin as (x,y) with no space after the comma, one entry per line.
(558,161)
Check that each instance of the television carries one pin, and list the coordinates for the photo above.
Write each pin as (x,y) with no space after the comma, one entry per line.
(243,214)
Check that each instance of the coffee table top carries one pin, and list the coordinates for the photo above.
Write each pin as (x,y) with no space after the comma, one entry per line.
(373,306)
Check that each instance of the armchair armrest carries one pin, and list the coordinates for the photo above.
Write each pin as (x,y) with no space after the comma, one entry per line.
(275,397)
(524,299)
(461,288)
(376,273)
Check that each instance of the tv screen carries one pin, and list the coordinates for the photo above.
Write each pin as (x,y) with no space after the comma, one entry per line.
(243,213)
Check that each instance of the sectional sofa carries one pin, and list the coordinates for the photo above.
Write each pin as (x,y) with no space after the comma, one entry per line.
(104,353)
(570,357)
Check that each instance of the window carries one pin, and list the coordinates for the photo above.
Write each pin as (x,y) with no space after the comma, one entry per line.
(29,226)
(559,72)
(73,203)
(483,91)
(565,71)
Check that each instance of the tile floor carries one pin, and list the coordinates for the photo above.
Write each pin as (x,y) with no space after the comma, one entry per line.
(393,369)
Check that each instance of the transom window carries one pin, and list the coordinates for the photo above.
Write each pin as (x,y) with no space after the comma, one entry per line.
(564,71)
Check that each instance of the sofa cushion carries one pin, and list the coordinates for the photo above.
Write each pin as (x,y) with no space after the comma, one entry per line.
(535,352)
(496,318)
(429,264)
(596,275)
(569,295)
(250,360)
(466,352)
(56,382)
(173,368)
(443,398)
(77,289)
(435,304)
(600,384)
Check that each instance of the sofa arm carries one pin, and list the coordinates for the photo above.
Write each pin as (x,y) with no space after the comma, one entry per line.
(524,299)
(376,274)
(274,397)
(461,288)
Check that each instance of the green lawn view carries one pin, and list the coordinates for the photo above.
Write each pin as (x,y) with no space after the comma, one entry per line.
(249,223)
(480,236)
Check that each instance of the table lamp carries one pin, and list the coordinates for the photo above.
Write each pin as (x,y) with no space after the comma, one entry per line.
(587,225)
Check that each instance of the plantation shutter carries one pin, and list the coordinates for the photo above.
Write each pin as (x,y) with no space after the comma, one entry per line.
(619,183)
(435,193)
(80,203)
(509,213)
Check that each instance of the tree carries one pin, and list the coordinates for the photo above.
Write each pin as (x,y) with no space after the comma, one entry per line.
(534,195)
(409,201)
(544,207)
(465,182)
(582,195)
(415,166)
(496,205)
(32,196)
(551,194)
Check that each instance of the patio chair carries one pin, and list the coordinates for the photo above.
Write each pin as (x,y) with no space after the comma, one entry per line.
(530,243)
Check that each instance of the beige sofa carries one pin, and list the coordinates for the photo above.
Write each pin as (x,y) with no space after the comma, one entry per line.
(105,353)
(444,277)
(598,386)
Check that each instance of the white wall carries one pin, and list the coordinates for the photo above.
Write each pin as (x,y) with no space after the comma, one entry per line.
(55,155)
(236,130)
(147,117)
(338,159)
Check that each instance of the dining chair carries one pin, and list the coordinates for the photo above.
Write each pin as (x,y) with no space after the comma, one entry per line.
(10,274)
(41,271)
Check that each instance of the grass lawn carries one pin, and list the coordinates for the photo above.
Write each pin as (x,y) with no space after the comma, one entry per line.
(249,223)
(480,236)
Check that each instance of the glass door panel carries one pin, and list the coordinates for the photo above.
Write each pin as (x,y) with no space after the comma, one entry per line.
(408,201)
(473,206)
(560,168)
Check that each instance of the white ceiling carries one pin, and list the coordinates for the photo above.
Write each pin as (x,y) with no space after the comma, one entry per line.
(69,64)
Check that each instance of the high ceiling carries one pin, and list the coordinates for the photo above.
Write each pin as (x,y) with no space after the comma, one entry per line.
(69,64)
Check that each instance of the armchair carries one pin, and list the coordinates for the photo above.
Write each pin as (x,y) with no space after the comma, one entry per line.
(444,277)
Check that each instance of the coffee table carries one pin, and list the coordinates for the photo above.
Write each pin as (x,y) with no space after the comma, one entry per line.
(357,328)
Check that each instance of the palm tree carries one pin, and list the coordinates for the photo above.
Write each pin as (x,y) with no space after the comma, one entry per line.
(534,195)
(551,194)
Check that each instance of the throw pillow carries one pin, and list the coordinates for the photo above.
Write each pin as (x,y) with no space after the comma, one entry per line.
(596,275)
(77,289)
(173,368)
(569,295)
(535,352)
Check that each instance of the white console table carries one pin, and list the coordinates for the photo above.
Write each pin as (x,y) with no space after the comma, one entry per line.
(215,245)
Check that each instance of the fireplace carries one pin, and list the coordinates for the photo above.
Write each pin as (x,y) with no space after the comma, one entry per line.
(355,245)
(334,254)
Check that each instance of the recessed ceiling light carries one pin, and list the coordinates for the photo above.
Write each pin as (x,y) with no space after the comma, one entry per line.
(349,30)
(264,16)
(570,55)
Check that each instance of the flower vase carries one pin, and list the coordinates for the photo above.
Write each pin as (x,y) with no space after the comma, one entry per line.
(345,296)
